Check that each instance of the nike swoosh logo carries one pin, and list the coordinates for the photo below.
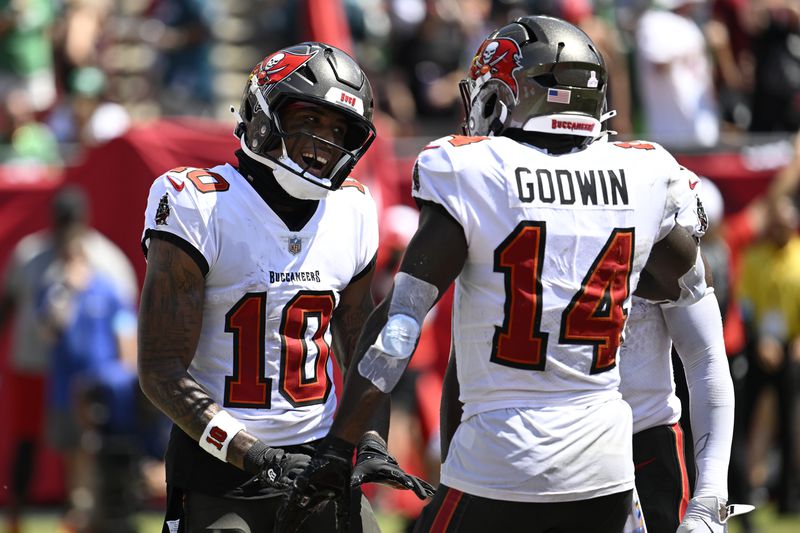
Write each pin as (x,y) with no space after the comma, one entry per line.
(178,186)
(644,463)
(693,185)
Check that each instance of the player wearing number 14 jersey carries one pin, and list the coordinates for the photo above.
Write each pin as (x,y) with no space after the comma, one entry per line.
(546,229)
(255,274)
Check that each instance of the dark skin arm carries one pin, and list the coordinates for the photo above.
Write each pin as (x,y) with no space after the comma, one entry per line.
(436,254)
(670,258)
(170,318)
(355,305)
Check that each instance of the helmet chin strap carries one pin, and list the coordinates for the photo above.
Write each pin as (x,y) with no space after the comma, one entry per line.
(287,173)
(605,116)
(288,178)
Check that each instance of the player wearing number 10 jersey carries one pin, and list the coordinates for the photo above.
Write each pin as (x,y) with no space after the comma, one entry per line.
(255,273)
(270,293)
(546,229)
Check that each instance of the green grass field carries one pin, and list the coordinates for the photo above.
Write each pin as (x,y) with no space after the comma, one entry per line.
(47,522)
(150,522)
(767,521)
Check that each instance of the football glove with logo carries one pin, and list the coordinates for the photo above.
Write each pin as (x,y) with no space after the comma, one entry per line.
(325,479)
(273,466)
(374,464)
(709,514)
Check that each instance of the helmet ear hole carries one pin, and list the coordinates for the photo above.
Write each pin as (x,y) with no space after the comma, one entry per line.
(546,80)
(488,107)
(308,74)
(248,111)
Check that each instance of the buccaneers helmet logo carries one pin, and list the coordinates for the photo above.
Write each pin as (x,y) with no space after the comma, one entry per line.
(277,66)
(498,59)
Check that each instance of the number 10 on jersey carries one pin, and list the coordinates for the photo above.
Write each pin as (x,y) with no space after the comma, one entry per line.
(303,372)
(595,316)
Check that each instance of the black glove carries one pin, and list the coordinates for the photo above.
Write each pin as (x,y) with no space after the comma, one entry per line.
(326,478)
(375,465)
(274,467)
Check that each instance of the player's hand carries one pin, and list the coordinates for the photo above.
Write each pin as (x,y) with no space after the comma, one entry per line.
(375,465)
(325,479)
(279,469)
(709,514)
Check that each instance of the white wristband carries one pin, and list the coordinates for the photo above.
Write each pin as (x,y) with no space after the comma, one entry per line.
(219,433)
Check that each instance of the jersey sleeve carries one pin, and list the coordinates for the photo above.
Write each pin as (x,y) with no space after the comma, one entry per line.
(175,213)
(436,179)
(683,206)
(369,233)
(690,212)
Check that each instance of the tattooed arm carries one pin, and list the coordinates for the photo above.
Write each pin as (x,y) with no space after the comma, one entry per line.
(170,317)
(355,305)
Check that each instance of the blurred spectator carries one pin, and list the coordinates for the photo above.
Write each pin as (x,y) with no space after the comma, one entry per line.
(27,140)
(86,116)
(29,356)
(26,55)
(735,16)
(742,228)
(674,76)
(373,24)
(770,292)
(435,56)
(609,42)
(90,329)
(80,31)
(737,231)
(184,40)
(728,37)
(776,45)
(718,257)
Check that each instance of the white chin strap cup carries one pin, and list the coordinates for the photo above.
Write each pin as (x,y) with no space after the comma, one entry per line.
(289,180)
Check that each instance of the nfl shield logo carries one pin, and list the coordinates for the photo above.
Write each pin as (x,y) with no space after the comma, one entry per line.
(295,245)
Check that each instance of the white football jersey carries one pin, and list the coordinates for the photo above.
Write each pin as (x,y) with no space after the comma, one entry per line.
(556,247)
(645,368)
(265,344)
(645,358)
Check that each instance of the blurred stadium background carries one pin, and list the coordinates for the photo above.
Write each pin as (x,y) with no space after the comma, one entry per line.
(141,86)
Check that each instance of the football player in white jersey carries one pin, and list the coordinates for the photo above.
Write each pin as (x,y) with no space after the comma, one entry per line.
(255,276)
(546,229)
(648,386)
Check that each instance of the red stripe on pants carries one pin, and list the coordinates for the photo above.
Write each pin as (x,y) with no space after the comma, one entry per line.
(676,429)
(446,511)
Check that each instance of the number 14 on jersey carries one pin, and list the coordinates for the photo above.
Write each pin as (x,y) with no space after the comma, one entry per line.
(595,316)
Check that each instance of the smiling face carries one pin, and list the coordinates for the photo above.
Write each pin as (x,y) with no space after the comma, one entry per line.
(307,118)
